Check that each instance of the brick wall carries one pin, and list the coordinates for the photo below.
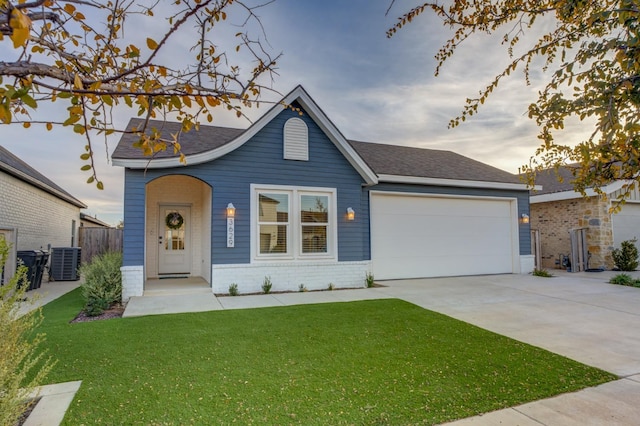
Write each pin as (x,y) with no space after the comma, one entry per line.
(40,217)
(287,276)
(555,219)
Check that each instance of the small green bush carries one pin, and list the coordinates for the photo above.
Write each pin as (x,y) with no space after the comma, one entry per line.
(331,287)
(368,279)
(233,289)
(626,257)
(266,285)
(102,287)
(302,288)
(625,279)
(542,273)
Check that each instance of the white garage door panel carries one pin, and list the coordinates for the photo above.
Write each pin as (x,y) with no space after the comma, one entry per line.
(415,237)
(626,224)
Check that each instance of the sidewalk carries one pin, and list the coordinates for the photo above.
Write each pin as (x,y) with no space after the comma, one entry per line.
(47,292)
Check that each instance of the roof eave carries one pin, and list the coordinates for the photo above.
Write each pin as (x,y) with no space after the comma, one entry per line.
(40,185)
(418,180)
(572,195)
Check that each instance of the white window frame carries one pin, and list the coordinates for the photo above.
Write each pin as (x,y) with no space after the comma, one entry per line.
(294,231)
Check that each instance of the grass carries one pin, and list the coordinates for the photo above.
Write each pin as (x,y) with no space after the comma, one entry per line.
(371,362)
(542,273)
(625,279)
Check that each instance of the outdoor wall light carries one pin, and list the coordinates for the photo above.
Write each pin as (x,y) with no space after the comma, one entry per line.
(231,211)
(351,215)
(524,218)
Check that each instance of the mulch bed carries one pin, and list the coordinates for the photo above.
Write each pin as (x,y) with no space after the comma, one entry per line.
(113,312)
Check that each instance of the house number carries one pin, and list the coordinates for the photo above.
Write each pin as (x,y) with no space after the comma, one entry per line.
(230,232)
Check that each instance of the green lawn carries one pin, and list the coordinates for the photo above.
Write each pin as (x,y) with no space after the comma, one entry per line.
(363,363)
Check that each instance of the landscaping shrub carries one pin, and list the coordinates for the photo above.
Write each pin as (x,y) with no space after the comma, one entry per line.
(368,280)
(266,285)
(626,257)
(102,286)
(23,365)
(233,289)
(542,273)
(625,279)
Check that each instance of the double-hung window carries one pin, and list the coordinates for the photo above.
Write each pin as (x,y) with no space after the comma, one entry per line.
(294,223)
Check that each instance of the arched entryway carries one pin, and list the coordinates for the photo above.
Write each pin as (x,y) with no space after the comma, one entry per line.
(178,228)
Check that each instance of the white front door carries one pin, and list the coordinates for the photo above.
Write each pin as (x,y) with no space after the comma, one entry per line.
(174,240)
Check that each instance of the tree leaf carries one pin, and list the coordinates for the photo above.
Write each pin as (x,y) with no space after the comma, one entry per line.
(20,28)
(151,43)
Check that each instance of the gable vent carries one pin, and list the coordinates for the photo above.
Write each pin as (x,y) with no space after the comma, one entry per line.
(296,140)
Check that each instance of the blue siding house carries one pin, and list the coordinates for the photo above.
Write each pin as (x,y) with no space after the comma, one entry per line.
(291,199)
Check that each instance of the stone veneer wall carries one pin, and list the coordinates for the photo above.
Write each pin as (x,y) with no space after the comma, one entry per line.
(555,219)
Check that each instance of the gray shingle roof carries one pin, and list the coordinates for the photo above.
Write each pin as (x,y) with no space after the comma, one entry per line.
(549,179)
(192,142)
(428,163)
(14,166)
(381,158)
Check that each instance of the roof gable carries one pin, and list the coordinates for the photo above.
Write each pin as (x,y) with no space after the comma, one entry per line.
(218,143)
(14,166)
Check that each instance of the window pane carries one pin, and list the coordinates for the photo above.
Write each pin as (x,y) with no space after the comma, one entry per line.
(314,208)
(273,207)
(314,239)
(273,239)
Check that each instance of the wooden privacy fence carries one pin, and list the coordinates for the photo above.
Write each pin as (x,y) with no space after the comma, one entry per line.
(96,241)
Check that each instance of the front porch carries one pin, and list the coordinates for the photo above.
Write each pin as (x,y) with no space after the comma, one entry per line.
(175,286)
(172,296)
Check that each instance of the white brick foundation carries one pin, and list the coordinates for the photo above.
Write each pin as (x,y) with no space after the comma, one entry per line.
(132,281)
(287,276)
(527,264)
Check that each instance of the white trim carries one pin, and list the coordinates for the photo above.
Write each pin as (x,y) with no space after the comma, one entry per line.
(298,94)
(293,234)
(453,182)
(513,204)
(571,195)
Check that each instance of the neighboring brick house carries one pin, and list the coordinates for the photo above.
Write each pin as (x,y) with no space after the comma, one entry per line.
(557,209)
(34,211)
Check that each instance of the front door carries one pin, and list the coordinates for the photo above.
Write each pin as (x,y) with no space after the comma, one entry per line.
(174,240)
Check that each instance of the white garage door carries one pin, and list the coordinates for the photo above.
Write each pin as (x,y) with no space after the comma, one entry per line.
(426,236)
(626,224)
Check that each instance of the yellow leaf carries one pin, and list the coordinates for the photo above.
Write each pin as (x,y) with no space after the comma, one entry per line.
(151,44)
(69,8)
(21,27)
(49,126)
(26,124)
(77,82)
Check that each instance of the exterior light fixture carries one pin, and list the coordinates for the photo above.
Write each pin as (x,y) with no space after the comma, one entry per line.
(524,218)
(351,215)
(231,211)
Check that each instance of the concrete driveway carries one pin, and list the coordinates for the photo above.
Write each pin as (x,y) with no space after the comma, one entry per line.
(579,315)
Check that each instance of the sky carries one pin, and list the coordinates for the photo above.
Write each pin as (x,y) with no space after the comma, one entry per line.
(374,89)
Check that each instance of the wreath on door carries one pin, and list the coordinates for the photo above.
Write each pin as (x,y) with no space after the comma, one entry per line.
(174,220)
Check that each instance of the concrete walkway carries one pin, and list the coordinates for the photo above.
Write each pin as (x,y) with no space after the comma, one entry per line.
(47,292)
(576,315)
